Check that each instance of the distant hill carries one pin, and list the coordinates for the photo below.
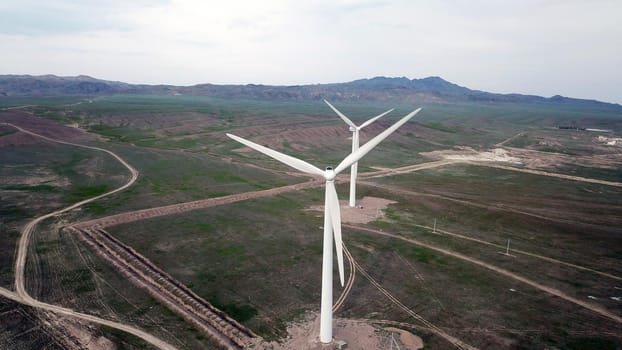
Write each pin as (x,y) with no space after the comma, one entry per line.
(51,85)
(431,90)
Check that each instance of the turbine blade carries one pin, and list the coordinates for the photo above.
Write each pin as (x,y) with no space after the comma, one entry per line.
(335,218)
(283,158)
(341,115)
(363,150)
(375,118)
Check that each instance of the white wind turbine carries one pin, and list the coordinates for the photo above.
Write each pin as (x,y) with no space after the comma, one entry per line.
(332,215)
(355,145)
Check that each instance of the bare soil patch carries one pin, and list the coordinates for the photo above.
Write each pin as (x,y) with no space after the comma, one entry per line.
(409,340)
(76,334)
(39,175)
(367,209)
(297,137)
(469,154)
(41,126)
(527,158)
(536,159)
(358,334)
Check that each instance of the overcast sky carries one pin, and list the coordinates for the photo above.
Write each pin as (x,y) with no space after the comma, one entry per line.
(567,47)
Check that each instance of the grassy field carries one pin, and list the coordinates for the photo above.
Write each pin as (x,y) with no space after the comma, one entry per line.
(259,260)
(169,176)
(283,248)
(38,178)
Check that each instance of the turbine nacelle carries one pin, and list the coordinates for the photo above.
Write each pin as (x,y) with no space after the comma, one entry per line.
(329,173)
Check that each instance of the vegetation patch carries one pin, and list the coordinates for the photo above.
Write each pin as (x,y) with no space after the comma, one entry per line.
(240,313)
(89,191)
(29,188)
(591,343)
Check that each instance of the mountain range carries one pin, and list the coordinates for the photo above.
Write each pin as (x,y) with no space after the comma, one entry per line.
(430,89)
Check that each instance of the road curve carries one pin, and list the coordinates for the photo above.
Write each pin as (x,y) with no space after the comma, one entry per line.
(22,251)
(94,319)
(21,295)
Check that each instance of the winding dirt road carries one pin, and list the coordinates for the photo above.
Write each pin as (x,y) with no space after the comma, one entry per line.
(21,295)
(28,229)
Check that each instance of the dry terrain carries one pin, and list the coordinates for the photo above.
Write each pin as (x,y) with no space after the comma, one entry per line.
(405,276)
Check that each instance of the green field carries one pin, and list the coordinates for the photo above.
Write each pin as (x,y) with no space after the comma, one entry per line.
(259,259)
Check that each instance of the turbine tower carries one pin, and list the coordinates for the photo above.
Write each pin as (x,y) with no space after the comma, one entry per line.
(355,145)
(332,215)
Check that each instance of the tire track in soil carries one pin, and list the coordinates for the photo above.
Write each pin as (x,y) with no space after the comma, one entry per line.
(433,328)
(99,280)
(348,286)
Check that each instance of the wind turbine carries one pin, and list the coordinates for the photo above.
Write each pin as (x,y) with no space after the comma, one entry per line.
(355,145)
(332,214)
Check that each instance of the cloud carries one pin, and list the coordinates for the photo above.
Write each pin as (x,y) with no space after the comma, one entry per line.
(544,47)
(40,18)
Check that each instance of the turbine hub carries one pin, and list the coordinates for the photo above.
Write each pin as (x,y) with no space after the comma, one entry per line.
(329,175)
(352,129)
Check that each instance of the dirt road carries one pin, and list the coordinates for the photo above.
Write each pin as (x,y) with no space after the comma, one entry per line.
(22,296)
(206,203)
(545,173)
(144,214)
(407,169)
(22,249)
(549,290)
(518,251)
(348,286)
(148,213)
